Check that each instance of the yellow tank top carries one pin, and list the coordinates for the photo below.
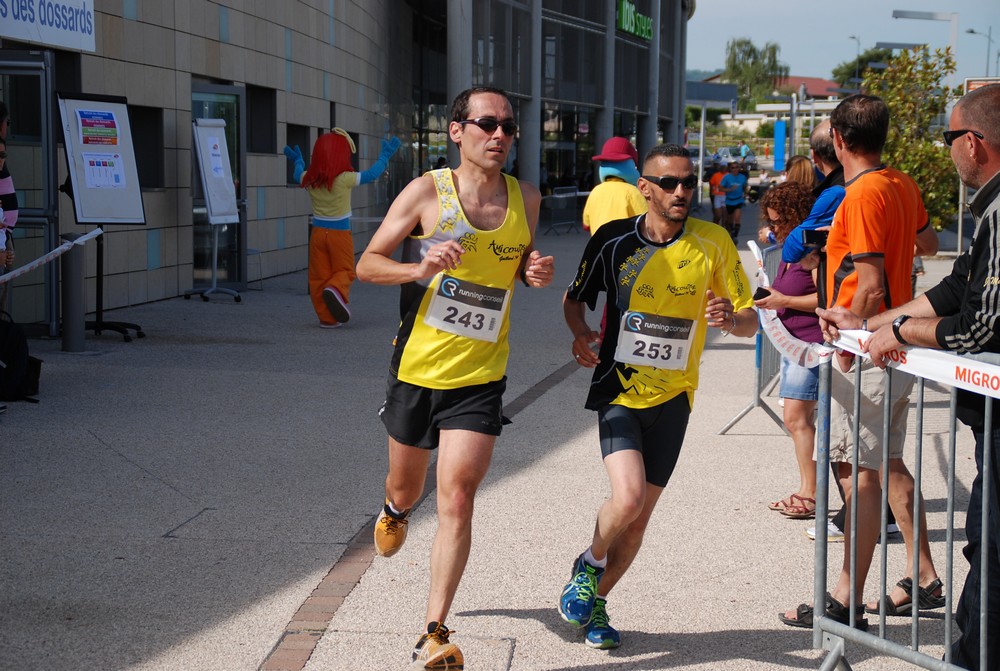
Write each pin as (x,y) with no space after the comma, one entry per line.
(453,330)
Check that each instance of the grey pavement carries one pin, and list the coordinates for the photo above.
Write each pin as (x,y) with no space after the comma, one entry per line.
(173,502)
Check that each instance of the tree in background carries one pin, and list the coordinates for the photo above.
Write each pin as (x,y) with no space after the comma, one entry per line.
(914,90)
(843,73)
(756,72)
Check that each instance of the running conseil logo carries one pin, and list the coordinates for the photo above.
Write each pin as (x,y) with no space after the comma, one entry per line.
(634,320)
(449,287)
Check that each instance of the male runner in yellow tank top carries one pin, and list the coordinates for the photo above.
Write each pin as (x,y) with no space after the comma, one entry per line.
(466,235)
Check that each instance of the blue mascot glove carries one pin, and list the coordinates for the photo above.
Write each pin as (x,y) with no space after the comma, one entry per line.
(389,148)
(295,156)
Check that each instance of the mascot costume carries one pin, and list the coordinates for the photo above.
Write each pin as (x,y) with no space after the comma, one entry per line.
(329,181)
(617,196)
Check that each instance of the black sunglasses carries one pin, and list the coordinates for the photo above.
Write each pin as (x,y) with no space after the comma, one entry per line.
(490,125)
(3,155)
(668,183)
(952,135)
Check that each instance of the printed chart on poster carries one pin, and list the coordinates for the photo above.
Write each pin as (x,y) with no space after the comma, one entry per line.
(212,152)
(101,161)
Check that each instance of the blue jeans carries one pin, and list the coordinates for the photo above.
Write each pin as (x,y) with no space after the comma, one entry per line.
(965,650)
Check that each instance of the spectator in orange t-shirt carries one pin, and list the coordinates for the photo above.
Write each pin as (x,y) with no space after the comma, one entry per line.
(718,195)
(879,223)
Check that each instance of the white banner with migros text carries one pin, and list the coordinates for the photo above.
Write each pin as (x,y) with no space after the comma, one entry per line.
(964,372)
(69,24)
(958,371)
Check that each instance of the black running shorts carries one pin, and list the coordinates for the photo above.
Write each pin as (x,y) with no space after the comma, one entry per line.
(656,432)
(416,415)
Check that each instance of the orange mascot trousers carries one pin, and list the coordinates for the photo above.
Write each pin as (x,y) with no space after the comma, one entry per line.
(331,264)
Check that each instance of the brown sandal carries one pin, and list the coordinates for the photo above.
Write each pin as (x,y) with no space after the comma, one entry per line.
(804,510)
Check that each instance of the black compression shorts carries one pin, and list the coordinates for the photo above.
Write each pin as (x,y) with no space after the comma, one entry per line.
(657,432)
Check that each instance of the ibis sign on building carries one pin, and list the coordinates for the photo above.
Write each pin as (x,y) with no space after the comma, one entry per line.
(632,22)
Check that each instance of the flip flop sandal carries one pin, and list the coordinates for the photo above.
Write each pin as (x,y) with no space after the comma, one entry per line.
(804,510)
(925,599)
(782,504)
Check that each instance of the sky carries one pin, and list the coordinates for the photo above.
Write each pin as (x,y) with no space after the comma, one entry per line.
(815,36)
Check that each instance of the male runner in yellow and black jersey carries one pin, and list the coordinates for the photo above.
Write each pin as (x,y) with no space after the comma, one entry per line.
(667,278)
(467,234)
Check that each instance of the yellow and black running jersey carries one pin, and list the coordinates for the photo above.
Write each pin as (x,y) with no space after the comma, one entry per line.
(655,307)
(453,330)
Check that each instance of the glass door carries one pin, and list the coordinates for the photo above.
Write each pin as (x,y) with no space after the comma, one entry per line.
(210,101)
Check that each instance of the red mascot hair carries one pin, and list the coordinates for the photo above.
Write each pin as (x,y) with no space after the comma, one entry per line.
(331,156)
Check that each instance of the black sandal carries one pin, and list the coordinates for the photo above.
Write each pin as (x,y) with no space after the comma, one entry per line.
(834,610)
(925,599)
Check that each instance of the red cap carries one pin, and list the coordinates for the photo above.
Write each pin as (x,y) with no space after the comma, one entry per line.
(618,149)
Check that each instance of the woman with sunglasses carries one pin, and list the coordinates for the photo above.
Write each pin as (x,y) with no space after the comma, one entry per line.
(793,295)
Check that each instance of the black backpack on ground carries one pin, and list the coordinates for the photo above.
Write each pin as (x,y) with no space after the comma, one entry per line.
(19,371)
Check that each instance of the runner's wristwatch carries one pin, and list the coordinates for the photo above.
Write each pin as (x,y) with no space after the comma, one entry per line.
(896,324)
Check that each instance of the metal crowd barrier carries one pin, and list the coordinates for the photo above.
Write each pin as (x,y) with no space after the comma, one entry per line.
(73,296)
(767,359)
(947,371)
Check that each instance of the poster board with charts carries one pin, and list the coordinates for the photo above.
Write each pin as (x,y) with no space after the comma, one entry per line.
(216,173)
(101,160)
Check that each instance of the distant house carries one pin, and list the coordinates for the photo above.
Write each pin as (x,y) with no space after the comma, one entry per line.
(807,89)
(815,88)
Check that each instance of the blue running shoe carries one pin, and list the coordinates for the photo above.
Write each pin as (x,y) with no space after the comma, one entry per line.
(577,600)
(600,634)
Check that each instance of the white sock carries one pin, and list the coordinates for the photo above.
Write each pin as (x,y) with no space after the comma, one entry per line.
(392,509)
(588,557)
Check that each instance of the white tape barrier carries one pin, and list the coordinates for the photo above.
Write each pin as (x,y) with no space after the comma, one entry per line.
(42,260)
(931,364)
(807,354)
(762,280)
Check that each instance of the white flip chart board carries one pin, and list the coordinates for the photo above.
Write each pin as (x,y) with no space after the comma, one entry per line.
(216,173)
(101,161)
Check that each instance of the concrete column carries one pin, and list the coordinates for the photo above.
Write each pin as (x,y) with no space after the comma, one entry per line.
(530,119)
(605,125)
(647,132)
(460,50)
(678,98)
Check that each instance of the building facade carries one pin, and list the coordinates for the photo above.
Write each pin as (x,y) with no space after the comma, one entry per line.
(282,73)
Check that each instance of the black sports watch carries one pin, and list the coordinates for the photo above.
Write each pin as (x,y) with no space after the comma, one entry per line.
(896,324)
